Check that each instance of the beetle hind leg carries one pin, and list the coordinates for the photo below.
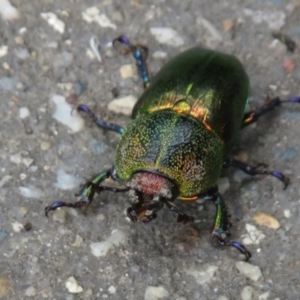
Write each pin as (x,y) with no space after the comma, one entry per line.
(260,169)
(253,116)
(221,224)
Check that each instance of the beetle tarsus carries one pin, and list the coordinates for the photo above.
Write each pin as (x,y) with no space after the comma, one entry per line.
(217,239)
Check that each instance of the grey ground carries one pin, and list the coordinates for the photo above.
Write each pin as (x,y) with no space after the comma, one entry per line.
(37,263)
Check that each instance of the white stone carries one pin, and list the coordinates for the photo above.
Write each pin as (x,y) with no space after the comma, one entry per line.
(254,235)
(7,11)
(123,105)
(72,286)
(156,292)
(17,227)
(4,179)
(117,237)
(30,292)
(101,249)
(204,276)
(27,161)
(54,21)
(112,289)
(66,115)
(16,158)
(31,192)
(92,14)
(167,35)
(264,296)
(247,293)
(128,71)
(24,112)
(65,181)
(223,298)
(3,50)
(287,213)
(250,271)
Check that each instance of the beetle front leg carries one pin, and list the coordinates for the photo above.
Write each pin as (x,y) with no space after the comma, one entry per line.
(260,169)
(87,192)
(220,229)
(139,53)
(253,116)
(182,217)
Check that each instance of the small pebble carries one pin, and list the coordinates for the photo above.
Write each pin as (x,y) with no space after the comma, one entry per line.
(65,115)
(19,40)
(156,292)
(204,276)
(27,226)
(223,298)
(31,192)
(65,181)
(72,286)
(17,227)
(128,71)
(7,11)
(3,50)
(253,236)
(78,241)
(92,14)
(6,289)
(166,35)
(266,220)
(286,212)
(16,158)
(247,293)
(117,237)
(27,161)
(21,53)
(250,271)
(45,146)
(30,292)
(100,249)
(54,22)
(24,112)
(112,289)
(94,44)
(60,216)
(123,105)
(228,24)
(264,296)
(4,180)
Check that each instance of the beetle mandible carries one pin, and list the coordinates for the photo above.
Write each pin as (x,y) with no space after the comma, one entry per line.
(178,141)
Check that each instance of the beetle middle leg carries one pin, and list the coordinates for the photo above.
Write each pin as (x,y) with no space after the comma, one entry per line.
(260,169)
(253,116)
(182,217)
(221,224)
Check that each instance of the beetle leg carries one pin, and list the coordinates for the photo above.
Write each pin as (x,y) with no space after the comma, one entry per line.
(87,192)
(220,229)
(100,122)
(139,53)
(257,170)
(182,217)
(253,116)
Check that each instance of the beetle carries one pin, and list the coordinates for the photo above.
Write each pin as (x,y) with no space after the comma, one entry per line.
(179,139)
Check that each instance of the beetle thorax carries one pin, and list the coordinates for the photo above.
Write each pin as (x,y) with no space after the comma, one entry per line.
(151,184)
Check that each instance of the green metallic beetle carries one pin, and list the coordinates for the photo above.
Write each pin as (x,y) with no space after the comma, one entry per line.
(179,139)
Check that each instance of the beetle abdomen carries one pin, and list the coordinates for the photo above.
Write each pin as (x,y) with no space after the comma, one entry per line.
(175,145)
(212,87)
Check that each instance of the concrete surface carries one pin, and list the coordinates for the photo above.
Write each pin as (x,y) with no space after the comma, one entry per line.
(161,260)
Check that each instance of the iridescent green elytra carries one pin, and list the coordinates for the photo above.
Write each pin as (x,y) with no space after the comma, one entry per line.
(186,120)
(175,147)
